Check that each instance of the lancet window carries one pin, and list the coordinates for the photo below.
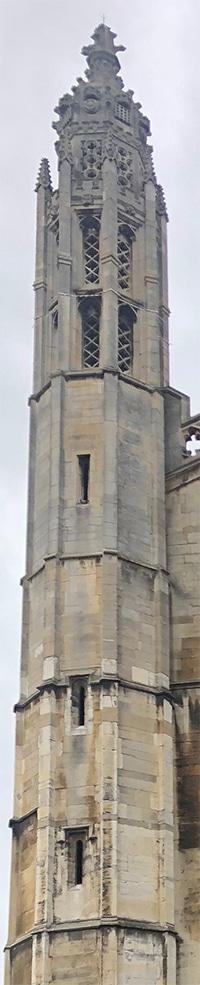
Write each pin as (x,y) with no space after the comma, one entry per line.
(91,252)
(90,332)
(125,338)
(124,261)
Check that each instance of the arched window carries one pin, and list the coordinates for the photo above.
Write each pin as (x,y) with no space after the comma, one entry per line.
(125,338)
(91,252)
(124,261)
(79,863)
(90,332)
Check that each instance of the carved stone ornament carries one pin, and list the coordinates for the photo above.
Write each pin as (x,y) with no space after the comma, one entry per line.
(68,147)
(109,147)
(91,100)
(149,173)
(63,146)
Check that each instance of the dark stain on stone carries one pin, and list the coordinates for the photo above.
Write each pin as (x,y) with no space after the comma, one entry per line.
(159,700)
(188,784)
(192,911)
(194,711)
(164,949)
(21,961)
(126,572)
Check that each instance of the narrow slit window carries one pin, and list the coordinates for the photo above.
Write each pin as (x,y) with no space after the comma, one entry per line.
(78,704)
(79,863)
(81,705)
(84,473)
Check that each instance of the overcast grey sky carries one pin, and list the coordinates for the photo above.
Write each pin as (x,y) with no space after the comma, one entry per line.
(41,42)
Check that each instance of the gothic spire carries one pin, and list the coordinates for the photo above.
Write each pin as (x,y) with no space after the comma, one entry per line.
(44,176)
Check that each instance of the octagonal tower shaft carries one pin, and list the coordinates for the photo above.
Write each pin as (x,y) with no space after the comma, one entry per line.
(92,879)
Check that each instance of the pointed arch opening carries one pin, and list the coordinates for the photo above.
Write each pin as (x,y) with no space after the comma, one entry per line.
(124,250)
(126,319)
(91,250)
(90,314)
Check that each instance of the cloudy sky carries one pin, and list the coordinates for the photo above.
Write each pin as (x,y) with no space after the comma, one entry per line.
(41,42)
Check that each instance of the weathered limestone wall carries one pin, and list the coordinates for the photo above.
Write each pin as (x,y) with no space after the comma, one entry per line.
(80,620)
(83,433)
(136,622)
(21,964)
(145,845)
(78,951)
(183,547)
(183,550)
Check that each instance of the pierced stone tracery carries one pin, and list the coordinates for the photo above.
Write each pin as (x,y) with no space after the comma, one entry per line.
(124,261)
(90,334)
(125,340)
(123,112)
(91,153)
(91,254)
(124,167)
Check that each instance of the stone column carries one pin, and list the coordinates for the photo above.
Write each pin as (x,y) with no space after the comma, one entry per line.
(151,284)
(109,314)
(166,815)
(64,256)
(43,189)
(163,306)
(45,838)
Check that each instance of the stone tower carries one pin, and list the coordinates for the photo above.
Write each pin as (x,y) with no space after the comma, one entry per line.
(105,820)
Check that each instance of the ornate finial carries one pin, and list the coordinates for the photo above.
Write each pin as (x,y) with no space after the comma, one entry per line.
(44,176)
(102,51)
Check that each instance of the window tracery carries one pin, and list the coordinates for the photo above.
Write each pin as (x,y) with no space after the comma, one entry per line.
(91,153)
(125,338)
(124,261)
(124,167)
(90,333)
(91,253)
(123,112)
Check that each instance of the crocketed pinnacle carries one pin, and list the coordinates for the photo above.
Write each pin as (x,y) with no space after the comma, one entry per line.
(44,176)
